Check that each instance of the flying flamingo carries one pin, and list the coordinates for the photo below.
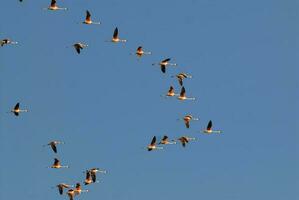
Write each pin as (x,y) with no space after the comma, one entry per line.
(93,172)
(115,37)
(170,92)
(165,141)
(184,140)
(7,41)
(183,95)
(78,189)
(53,145)
(57,164)
(139,52)
(164,63)
(152,145)
(16,110)
(181,77)
(88,19)
(79,46)
(187,119)
(209,129)
(53,6)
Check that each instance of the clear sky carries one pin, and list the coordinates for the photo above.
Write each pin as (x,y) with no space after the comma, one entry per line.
(106,104)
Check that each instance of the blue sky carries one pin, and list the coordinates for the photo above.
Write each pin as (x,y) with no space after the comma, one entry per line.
(106,105)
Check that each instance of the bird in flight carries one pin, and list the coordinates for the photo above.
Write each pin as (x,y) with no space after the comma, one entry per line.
(94,171)
(183,96)
(57,164)
(7,41)
(78,189)
(170,92)
(187,119)
(53,6)
(181,77)
(152,145)
(184,140)
(165,141)
(115,37)
(164,63)
(140,52)
(16,110)
(79,46)
(209,129)
(88,19)
(53,144)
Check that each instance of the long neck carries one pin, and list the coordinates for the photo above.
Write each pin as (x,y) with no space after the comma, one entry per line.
(217,131)
(190,98)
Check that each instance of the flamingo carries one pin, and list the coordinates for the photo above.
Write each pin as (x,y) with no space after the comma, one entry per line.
(115,37)
(164,63)
(61,186)
(93,172)
(170,92)
(88,19)
(57,164)
(183,95)
(166,141)
(79,46)
(139,52)
(53,145)
(16,110)
(181,77)
(209,129)
(78,189)
(53,6)
(7,41)
(187,120)
(152,145)
(71,194)
(184,140)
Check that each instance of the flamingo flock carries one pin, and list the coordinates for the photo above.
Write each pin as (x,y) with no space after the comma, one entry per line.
(91,174)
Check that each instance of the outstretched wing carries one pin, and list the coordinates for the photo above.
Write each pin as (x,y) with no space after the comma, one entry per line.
(165,137)
(187,123)
(163,68)
(17,106)
(180,81)
(115,33)
(94,177)
(166,60)
(53,3)
(88,16)
(56,161)
(183,92)
(154,140)
(60,188)
(209,127)
(53,146)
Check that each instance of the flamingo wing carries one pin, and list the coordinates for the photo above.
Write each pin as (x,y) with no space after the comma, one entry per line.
(115,33)
(209,127)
